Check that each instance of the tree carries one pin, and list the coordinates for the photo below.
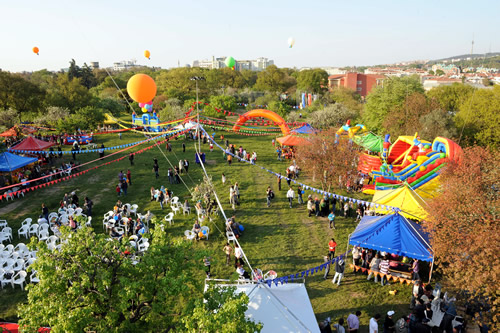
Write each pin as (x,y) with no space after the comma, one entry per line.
(404,119)
(347,97)
(384,98)
(478,117)
(451,97)
(431,72)
(19,94)
(437,123)
(464,227)
(329,161)
(280,107)
(52,115)
(223,102)
(224,311)
(8,118)
(93,284)
(68,93)
(334,115)
(87,118)
(274,80)
(439,72)
(171,110)
(312,80)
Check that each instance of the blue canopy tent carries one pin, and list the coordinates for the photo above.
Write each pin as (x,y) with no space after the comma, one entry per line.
(393,234)
(306,129)
(10,162)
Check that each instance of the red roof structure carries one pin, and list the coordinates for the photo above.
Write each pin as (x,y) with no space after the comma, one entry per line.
(292,140)
(30,143)
(9,132)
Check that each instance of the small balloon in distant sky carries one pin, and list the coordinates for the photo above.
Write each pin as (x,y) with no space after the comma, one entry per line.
(36,50)
(230,62)
(147,54)
(291,42)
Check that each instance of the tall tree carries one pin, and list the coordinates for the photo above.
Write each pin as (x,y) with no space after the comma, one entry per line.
(332,164)
(347,97)
(451,97)
(93,284)
(274,80)
(479,117)
(334,115)
(384,98)
(68,93)
(464,228)
(19,94)
(312,80)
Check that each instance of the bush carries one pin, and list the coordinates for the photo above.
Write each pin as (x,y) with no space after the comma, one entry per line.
(87,118)
(8,118)
(280,108)
(52,116)
(332,116)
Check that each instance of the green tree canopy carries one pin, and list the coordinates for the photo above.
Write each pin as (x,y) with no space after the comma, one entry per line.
(451,97)
(274,80)
(68,93)
(312,80)
(20,94)
(479,117)
(386,97)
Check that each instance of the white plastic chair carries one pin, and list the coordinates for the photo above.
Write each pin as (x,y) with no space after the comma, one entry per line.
(5,280)
(189,234)
(28,263)
(52,217)
(19,279)
(78,211)
(4,237)
(89,221)
(175,209)
(21,248)
(230,236)
(34,278)
(142,245)
(169,218)
(33,229)
(271,275)
(23,231)
(7,231)
(3,223)
(133,209)
(175,201)
(42,228)
(27,221)
(18,265)
(70,211)
(186,210)
(43,235)
(207,229)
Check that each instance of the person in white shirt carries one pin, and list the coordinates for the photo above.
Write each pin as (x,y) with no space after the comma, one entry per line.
(290,195)
(238,256)
(374,323)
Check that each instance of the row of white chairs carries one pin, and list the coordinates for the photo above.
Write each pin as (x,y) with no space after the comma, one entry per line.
(10,194)
(13,278)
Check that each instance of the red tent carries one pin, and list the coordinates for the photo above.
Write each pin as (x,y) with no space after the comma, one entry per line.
(292,140)
(14,328)
(9,132)
(31,143)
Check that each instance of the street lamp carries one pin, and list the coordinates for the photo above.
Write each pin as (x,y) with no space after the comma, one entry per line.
(196,79)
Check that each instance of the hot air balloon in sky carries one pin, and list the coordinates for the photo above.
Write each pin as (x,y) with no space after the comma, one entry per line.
(291,42)
(141,88)
(147,54)
(230,62)
(36,50)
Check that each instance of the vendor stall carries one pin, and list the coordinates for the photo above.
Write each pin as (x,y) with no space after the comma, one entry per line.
(399,238)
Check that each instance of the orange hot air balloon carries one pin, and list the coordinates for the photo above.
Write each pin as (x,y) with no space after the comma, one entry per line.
(36,50)
(141,88)
(147,54)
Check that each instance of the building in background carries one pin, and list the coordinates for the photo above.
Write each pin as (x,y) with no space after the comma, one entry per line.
(94,64)
(361,83)
(447,69)
(433,82)
(124,65)
(258,64)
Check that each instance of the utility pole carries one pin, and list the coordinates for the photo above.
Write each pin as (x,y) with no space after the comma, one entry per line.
(196,79)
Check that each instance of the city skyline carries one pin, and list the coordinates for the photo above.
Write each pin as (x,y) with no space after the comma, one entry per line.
(326,33)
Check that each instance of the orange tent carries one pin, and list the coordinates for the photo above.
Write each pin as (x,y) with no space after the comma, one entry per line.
(292,140)
(9,132)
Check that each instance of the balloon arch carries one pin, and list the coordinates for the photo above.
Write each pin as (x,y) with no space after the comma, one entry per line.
(265,114)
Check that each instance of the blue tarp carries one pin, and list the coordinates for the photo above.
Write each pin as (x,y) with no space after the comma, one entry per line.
(10,162)
(393,234)
(306,129)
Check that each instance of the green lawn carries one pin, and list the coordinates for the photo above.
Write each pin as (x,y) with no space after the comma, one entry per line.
(277,238)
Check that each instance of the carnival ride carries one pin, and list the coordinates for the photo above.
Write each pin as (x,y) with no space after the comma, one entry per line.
(265,114)
(149,121)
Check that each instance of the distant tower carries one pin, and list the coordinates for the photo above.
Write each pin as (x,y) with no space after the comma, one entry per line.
(472,47)
(178,63)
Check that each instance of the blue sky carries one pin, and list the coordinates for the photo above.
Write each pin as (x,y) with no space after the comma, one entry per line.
(327,33)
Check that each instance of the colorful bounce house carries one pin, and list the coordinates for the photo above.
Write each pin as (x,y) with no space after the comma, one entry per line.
(410,161)
(148,121)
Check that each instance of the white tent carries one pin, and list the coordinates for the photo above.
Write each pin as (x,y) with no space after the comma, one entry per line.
(282,308)
(187,125)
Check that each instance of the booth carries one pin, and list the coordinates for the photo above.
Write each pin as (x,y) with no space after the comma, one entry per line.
(393,234)
(32,144)
(10,162)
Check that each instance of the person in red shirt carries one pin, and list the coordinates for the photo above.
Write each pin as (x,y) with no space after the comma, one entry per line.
(331,249)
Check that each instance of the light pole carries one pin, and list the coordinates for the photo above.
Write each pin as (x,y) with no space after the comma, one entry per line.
(196,79)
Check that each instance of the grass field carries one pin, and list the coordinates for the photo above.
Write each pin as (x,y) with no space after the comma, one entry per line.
(277,238)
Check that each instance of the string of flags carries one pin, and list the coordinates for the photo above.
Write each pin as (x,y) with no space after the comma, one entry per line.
(37,152)
(67,177)
(304,186)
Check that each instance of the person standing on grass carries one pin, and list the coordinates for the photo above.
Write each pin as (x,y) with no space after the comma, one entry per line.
(310,206)
(186,165)
(183,147)
(353,322)
(290,195)
(288,176)
(156,168)
(339,271)
(206,262)
(181,166)
(331,220)
(238,255)
(299,195)
(346,209)
(237,193)
(232,197)
(374,267)
(316,206)
(279,181)
(415,269)
(129,177)
(269,195)
(101,151)
(223,179)
(228,250)
(131,158)
(124,186)
(374,323)
(45,212)
(88,206)
(340,326)
(229,159)
(384,269)
(332,244)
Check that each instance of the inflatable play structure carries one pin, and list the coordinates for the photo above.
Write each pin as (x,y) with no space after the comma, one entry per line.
(82,139)
(350,131)
(265,114)
(148,121)
(409,160)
